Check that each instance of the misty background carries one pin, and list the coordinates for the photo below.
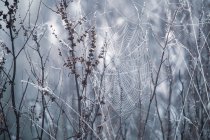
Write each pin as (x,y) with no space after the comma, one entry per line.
(89,69)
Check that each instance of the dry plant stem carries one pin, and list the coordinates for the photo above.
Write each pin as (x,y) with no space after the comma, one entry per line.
(78,93)
(98,106)
(40,82)
(184,100)
(12,82)
(182,96)
(67,104)
(153,94)
(31,33)
(24,92)
(158,73)
(199,116)
(42,85)
(198,52)
(43,101)
(169,114)
(33,115)
(140,120)
(158,113)
(16,112)
(169,101)
(76,81)
(64,112)
(121,98)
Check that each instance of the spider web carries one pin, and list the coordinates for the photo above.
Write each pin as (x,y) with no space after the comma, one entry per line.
(127,73)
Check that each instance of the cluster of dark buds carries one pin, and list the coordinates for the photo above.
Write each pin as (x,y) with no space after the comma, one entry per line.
(73,41)
(8,17)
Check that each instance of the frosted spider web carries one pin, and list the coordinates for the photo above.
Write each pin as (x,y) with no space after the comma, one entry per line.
(127,72)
